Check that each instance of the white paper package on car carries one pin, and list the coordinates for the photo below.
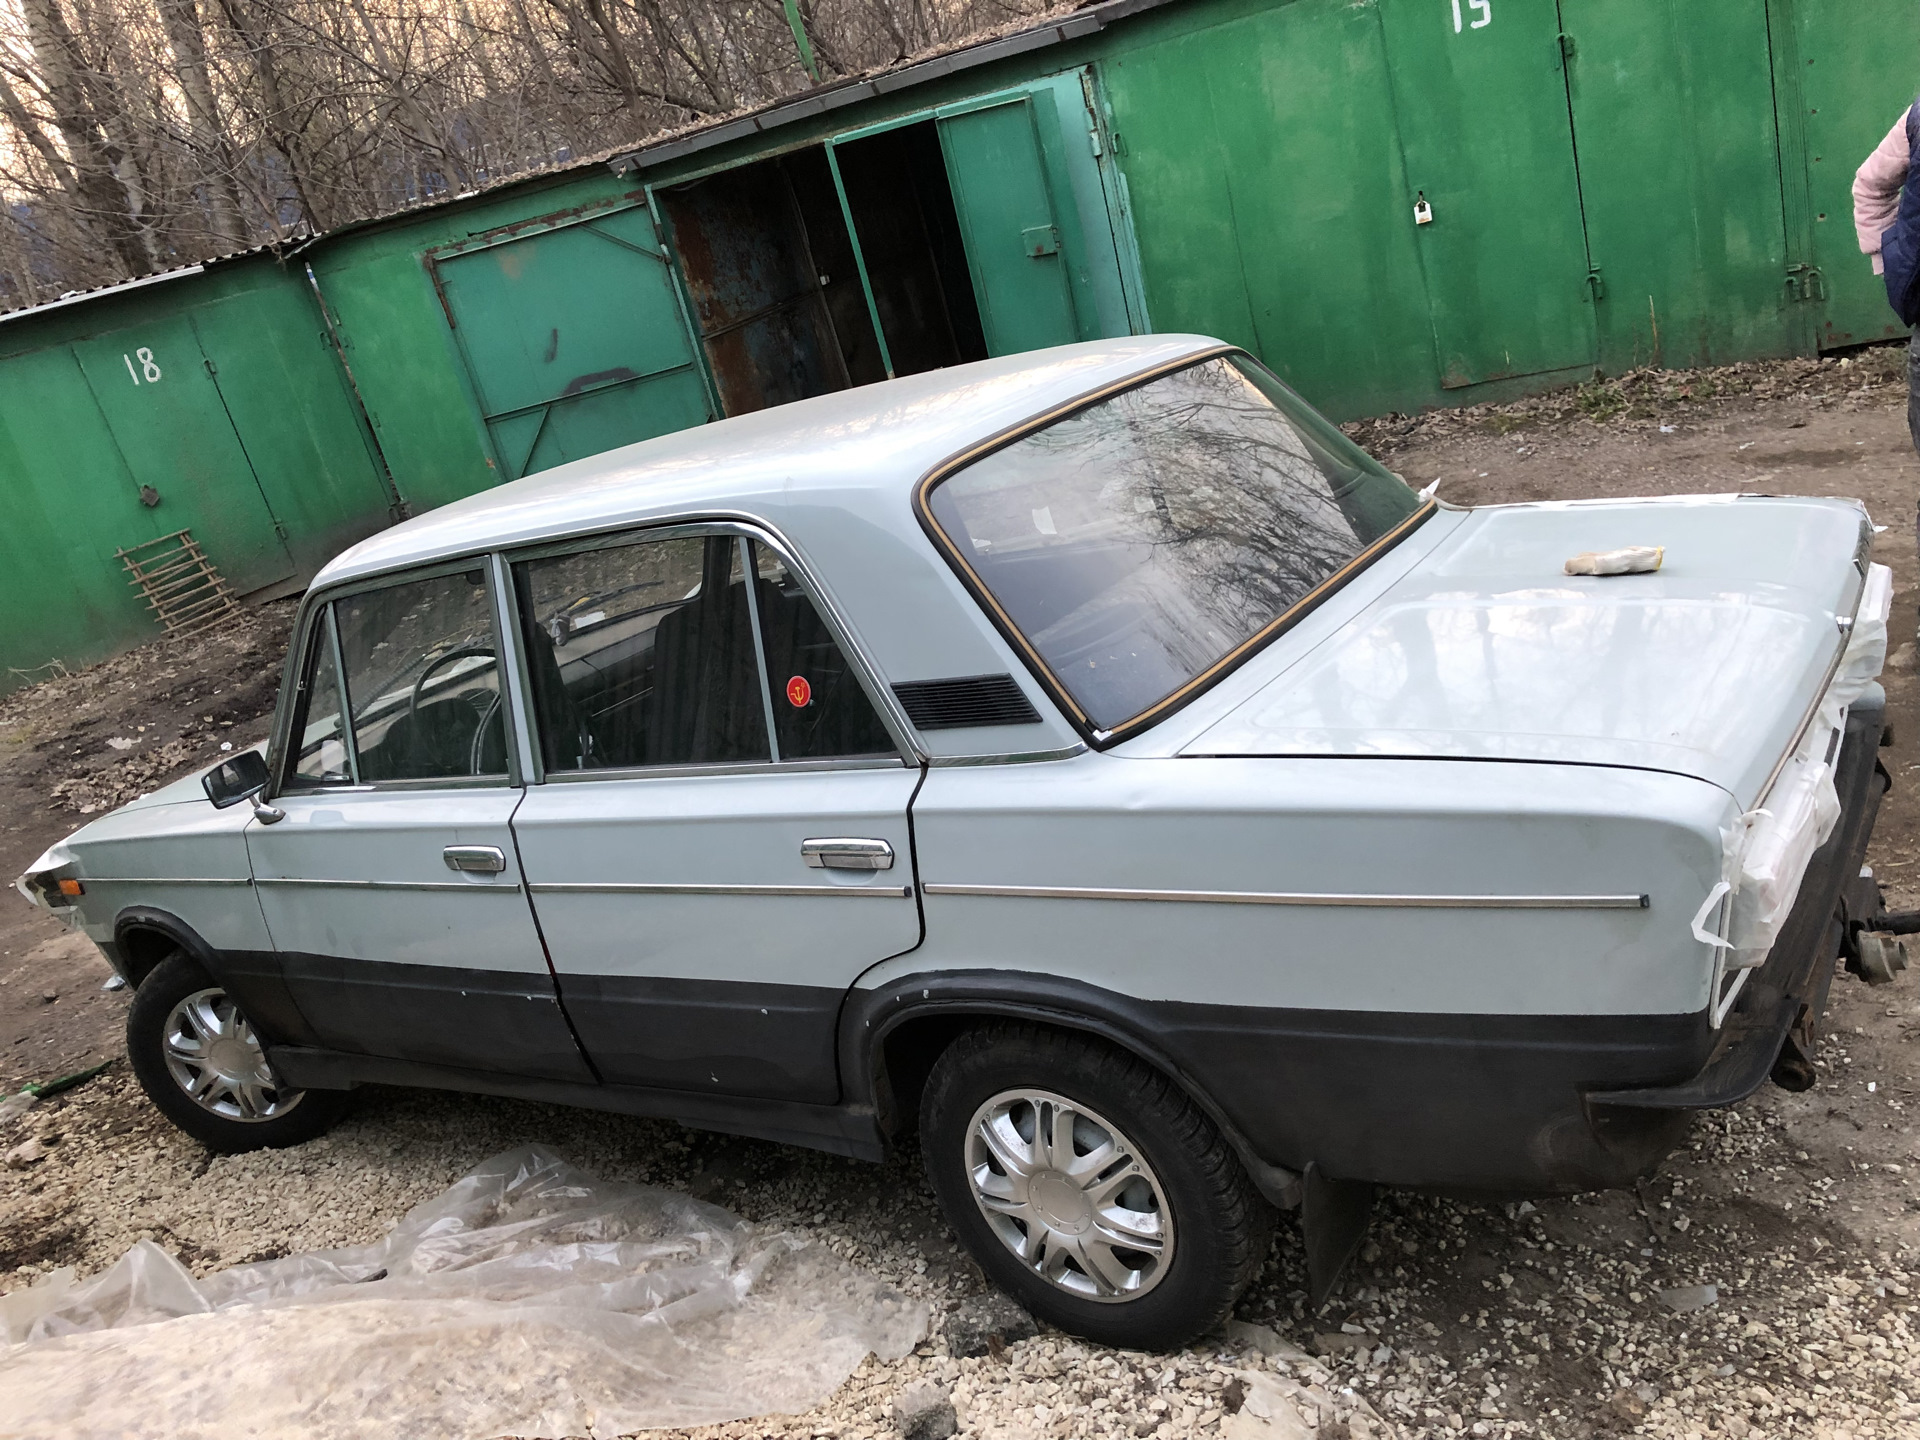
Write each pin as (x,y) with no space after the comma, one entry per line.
(1768,848)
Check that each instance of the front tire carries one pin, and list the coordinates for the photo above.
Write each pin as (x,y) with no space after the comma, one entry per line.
(198,1059)
(1089,1186)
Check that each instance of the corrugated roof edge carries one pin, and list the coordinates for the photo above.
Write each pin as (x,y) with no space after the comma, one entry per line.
(178,272)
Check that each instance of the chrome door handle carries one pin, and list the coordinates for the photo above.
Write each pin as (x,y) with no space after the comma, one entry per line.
(475,859)
(847,854)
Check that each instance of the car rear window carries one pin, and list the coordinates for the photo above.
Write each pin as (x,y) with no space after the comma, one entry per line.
(1141,545)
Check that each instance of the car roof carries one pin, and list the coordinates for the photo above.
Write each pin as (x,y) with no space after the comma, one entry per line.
(833,477)
(860,450)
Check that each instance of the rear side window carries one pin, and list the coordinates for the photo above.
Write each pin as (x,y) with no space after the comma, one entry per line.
(820,710)
(649,654)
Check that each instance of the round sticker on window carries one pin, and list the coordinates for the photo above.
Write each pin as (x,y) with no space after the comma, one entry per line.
(799,692)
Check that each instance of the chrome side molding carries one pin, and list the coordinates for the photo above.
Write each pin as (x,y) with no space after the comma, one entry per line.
(1267,897)
(569,887)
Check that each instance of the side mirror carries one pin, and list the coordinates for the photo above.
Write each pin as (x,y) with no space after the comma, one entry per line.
(237,779)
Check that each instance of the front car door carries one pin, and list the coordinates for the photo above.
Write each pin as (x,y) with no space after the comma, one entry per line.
(713,763)
(391,888)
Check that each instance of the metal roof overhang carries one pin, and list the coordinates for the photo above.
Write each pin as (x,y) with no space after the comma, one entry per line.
(853,92)
(83,296)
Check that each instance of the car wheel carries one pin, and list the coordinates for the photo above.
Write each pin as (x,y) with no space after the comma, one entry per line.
(1089,1186)
(201,1064)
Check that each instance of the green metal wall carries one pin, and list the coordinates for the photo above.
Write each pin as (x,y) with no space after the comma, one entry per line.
(399,291)
(1858,66)
(1611,183)
(219,396)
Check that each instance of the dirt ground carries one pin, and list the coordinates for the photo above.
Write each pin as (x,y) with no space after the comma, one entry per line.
(1551,1318)
(75,746)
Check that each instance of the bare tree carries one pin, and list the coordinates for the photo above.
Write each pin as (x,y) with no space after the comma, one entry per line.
(140,134)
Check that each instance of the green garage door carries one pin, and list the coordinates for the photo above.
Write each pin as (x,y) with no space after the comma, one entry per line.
(162,404)
(1480,96)
(1048,251)
(1680,171)
(574,338)
(1012,230)
(1859,64)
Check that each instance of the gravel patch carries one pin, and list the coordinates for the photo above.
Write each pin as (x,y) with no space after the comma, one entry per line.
(1764,1283)
(1561,1317)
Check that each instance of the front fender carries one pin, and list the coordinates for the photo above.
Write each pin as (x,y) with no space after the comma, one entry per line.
(252,977)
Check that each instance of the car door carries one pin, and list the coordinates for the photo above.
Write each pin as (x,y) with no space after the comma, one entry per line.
(391,888)
(720,843)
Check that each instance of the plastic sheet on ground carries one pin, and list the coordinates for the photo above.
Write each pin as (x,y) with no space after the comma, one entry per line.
(530,1299)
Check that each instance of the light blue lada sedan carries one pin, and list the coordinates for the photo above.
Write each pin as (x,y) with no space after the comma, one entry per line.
(1088,760)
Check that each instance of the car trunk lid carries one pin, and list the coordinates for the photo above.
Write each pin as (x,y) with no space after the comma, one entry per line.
(1486,649)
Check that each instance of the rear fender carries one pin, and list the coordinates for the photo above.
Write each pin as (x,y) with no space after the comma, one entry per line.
(950,1002)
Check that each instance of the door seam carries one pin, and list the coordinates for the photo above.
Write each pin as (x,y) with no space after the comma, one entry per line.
(546,953)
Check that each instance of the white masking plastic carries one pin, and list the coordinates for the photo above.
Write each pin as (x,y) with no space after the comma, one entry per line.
(1768,848)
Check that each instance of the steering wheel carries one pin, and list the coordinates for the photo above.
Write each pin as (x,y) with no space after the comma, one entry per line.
(493,704)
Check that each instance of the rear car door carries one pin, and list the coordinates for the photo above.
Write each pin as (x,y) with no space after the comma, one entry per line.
(391,888)
(713,765)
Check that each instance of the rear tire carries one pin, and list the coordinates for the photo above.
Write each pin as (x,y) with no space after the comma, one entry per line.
(196,1056)
(1089,1187)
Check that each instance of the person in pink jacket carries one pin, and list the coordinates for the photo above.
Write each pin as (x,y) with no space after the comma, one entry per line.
(1877,188)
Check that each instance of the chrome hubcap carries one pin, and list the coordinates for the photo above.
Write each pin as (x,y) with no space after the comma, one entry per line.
(1069,1194)
(216,1060)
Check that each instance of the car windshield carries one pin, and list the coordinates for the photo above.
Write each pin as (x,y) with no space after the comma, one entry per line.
(1141,545)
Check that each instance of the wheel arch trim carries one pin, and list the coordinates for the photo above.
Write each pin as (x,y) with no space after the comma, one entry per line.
(138,918)
(874,1015)
(254,978)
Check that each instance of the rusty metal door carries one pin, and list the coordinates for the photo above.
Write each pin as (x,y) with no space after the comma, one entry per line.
(759,297)
(574,337)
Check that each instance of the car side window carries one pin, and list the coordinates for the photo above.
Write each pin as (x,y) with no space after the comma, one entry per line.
(319,734)
(643,654)
(423,679)
(820,710)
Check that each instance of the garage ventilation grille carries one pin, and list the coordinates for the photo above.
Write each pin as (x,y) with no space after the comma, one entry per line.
(179,583)
(966,701)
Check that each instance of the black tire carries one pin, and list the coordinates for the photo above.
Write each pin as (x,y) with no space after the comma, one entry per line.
(174,980)
(1220,1227)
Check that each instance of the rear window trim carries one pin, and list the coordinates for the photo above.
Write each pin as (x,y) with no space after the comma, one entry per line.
(1042,672)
